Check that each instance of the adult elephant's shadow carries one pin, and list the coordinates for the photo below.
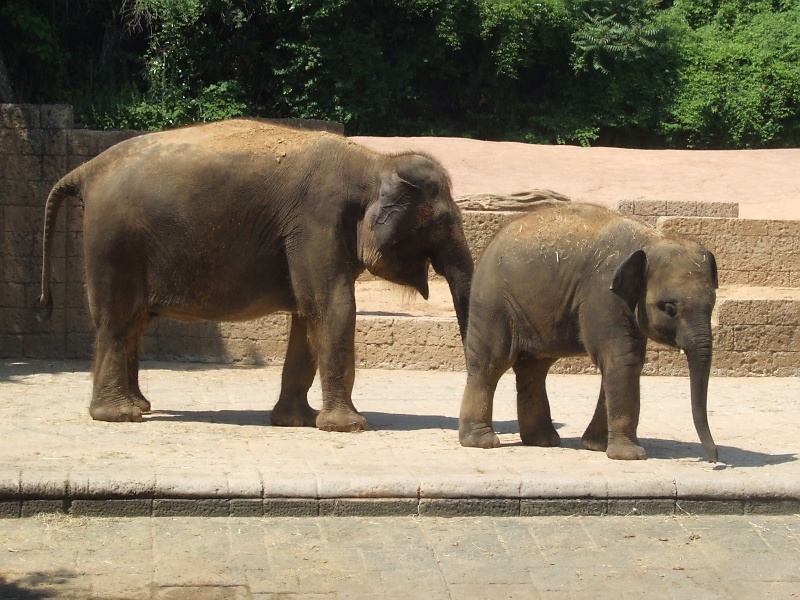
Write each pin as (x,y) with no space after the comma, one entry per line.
(406,422)
(379,421)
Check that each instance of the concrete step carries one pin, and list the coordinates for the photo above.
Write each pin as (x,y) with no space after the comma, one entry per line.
(755,333)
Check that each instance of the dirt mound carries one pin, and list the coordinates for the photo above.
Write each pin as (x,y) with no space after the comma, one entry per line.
(765,183)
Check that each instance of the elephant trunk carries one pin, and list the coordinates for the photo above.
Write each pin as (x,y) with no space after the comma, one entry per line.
(698,354)
(456,265)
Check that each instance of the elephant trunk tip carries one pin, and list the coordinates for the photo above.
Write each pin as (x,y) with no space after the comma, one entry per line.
(711,452)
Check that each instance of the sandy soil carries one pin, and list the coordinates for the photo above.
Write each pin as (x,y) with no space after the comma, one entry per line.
(765,183)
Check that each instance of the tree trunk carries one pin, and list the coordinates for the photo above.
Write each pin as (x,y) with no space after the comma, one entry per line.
(6,94)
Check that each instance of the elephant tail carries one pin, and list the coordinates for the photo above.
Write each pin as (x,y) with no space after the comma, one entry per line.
(69,185)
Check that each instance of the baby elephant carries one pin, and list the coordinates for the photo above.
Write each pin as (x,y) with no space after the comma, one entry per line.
(580,279)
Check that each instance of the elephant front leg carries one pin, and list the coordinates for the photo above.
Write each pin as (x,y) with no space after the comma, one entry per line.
(488,357)
(622,413)
(533,408)
(475,420)
(292,408)
(334,334)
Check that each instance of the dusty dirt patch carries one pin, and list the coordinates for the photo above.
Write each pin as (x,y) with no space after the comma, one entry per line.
(765,183)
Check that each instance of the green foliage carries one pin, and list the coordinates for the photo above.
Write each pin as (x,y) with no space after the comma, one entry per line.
(739,84)
(646,73)
(604,39)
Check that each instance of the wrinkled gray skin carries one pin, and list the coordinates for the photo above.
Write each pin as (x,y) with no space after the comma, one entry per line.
(235,220)
(580,279)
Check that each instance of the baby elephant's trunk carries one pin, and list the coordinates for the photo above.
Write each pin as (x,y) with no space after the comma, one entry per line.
(699,357)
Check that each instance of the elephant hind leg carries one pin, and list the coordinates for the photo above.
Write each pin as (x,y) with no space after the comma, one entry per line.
(116,395)
(292,408)
(533,408)
(133,382)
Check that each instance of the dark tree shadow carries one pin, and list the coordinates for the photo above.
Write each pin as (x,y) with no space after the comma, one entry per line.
(37,585)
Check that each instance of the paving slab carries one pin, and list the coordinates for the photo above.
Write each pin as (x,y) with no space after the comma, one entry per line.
(207,448)
(546,557)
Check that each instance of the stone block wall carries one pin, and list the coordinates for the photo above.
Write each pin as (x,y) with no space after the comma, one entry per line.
(651,210)
(751,252)
(38,145)
(33,156)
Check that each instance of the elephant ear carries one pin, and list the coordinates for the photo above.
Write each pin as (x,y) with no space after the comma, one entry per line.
(628,278)
(402,208)
(713,262)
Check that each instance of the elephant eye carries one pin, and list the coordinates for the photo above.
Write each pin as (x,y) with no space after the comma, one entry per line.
(669,308)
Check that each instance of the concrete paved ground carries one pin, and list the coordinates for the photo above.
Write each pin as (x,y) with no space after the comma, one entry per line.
(206,449)
(720,557)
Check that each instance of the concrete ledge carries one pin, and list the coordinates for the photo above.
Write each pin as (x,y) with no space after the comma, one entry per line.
(441,507)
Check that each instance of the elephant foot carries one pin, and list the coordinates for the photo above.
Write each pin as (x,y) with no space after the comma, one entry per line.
(293,414)
(595,443)
(625,450)
(140,402)
(548,438)
(117,410)
(478,435)
(341,419)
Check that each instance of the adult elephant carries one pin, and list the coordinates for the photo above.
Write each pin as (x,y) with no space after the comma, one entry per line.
(234,220)
(580,279)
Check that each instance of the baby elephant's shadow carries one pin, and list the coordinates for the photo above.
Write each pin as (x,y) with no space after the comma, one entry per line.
(658,448)
(728,455)
(406,422)
(222,417)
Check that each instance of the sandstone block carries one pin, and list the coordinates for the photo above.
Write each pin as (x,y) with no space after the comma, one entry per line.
(680,225)
(650,208)
(769,278)
(785,312)
(23,269)
(57,116)
(20,116)
(79,345)
(53,167)
(374,331)
(10,344)
(12,295)
(79,321)
(779,228)
(718,209)
(39,345)
(82,143)
(786,364)
(22,167)
(682,208)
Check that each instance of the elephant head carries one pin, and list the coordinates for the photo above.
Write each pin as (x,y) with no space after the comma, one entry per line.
(412,224)
(672,283)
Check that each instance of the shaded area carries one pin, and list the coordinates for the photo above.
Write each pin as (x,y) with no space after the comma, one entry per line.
(222,417)
(730,456)
(39,585)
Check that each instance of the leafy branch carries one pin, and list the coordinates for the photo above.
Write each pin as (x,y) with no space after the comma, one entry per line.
(600,39)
